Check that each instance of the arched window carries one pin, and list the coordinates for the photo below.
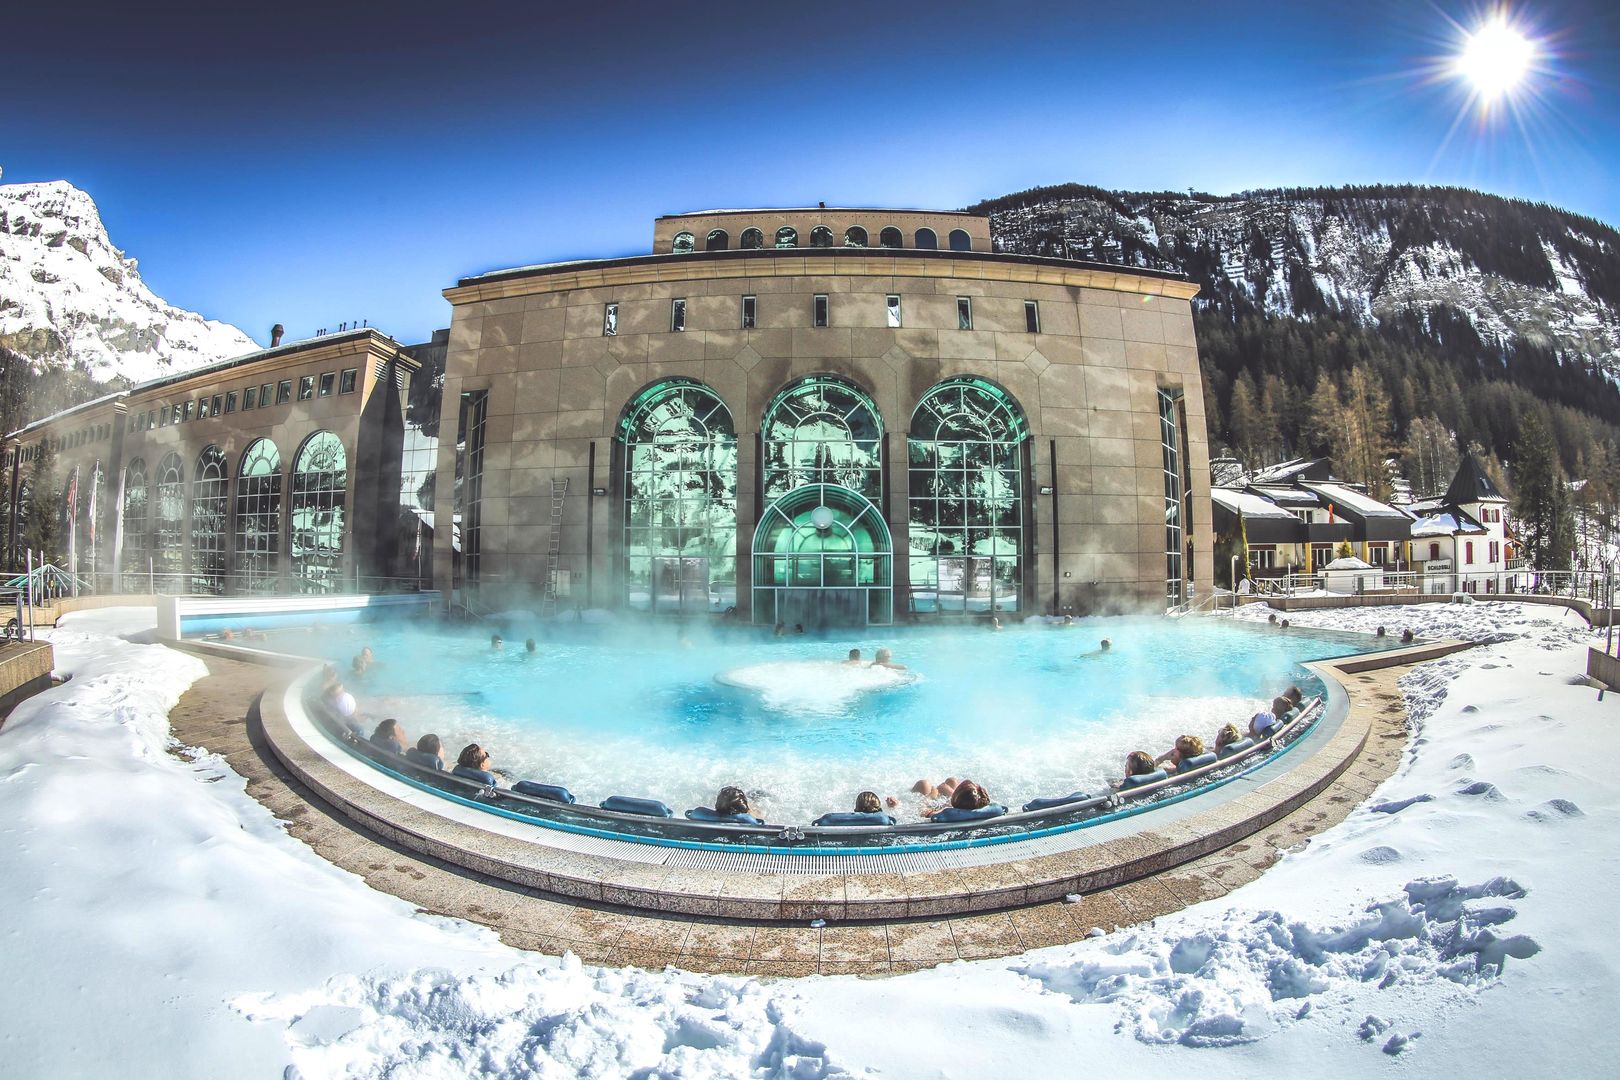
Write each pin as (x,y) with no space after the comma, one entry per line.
(210,521)
(258,519)
(169,523)
(320,480)
(854,236)
(966,456)
(821,236)
(684,243)
(787,237)
(823,429)
(960,241)
(926,239)
(717,241)
(823,556)
(890,238)
(137,500)
(751,238)
(680,499)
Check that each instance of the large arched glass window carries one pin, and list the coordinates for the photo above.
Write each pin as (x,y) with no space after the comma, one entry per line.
(169,523)
(823,430)
(137,499)
(751,238)
(717,241)
(787,237)
(680,499)
(210,521)
(854,236)
(320,480)
(966,452)
(890,238)
(926,239)
(258,519)
(821,236)
(684,243)
(960,241)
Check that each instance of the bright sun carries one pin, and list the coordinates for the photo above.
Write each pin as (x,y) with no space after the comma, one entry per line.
(1495,59)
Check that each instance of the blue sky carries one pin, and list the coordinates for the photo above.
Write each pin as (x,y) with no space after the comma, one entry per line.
(313,164)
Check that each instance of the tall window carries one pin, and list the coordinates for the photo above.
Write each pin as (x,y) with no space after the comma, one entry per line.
(320,480)
(750,312)
(819,310)
(821,237)
(926,239)
(677,314)
(854,236)
(823,430)
(787,237)
(680,499)
(684,243)
(1032,317)
(960,241)
(136,505)
(168,526)
(891,303)
(469,487)
(966,453)
(610,319)
(258,519)
(1170,437)
(964,312)
(210,518)
(716,241)
(890,238)
(751,239)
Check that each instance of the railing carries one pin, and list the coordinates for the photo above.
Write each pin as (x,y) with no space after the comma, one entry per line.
(152,582)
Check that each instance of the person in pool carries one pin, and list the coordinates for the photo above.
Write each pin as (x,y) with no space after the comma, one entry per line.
(473,763)
(1187,746)
(1294,696)
(428,752)
(1138,763)
(867,802)
(942,790)
(853,659)
(362,662)
(885,659)
(495,642)
(732,801)
(1262,725)
(995,623)
(1228,735)
(967,796)
(389,736)
(529,646)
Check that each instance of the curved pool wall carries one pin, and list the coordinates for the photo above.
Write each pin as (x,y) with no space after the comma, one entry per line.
(181,618)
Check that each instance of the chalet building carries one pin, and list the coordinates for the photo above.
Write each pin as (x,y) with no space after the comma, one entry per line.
(1464,533)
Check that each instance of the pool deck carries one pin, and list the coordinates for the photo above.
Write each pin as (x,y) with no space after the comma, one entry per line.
(607,911)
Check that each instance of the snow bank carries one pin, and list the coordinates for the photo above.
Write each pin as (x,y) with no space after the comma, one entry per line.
(1463,917)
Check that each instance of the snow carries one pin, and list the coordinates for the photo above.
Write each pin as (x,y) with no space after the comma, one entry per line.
(1352,499)
(67,296)
(161,923)
(1250,505)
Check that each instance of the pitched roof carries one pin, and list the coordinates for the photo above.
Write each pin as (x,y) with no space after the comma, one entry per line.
(1471,484)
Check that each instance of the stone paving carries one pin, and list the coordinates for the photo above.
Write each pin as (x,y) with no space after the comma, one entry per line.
(214,714)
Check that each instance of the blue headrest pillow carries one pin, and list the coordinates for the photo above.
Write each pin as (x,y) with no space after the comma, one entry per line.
(1198,762)
(549,792)
(1235,747)
(853,817)
(1055,800)
(1141,779)
(704,813)
(483,776)
(952,814)
(625,804)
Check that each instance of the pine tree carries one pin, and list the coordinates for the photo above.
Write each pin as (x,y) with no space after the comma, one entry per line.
(1429,457)
(1246,423)
(1542,508)
(1327,420)
(1367,431)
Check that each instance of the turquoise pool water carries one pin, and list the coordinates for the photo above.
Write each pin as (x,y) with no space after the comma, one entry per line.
(637,710)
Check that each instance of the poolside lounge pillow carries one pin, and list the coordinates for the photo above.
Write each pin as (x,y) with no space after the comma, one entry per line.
(1198,762)
(853,817)
(549,792)
(391,745)
(1141,779)
(1055,800)
(953,814)
(1235,747)
(482,776)
(625,804)
(424,759)
(703,813)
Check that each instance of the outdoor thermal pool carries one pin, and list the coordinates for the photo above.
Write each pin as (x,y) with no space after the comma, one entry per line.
(637,709)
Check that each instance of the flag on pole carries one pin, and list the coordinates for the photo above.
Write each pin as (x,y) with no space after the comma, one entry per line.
(90,504)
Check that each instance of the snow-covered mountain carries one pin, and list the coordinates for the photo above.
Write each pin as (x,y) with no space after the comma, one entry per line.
(1516,270)
(70,299)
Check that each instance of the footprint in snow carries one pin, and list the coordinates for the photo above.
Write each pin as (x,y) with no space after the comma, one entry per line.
(1400,804)
(1461,761)
(1470,708)
(1483,789)
(1555,810)
(1381,855)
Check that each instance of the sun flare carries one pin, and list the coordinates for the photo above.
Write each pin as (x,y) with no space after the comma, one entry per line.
(1495,59)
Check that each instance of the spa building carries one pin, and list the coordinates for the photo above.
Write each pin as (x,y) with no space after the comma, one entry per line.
(816,416)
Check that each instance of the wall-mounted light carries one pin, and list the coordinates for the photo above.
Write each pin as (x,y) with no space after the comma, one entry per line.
(1046,489)
(598,491)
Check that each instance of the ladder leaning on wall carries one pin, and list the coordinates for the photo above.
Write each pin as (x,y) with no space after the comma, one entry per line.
(548,599)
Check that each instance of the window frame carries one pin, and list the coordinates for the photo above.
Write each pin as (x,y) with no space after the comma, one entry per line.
(964,312)
(284,392)
(306,387)
(1032,316)
(610,319)
(891,305)
(266,398)
(214,405)
(327,384)
(348,379)
(230,402)
(677,315)
(820,312)
(749,316)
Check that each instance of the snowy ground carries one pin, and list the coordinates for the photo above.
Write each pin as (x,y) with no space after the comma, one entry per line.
(159,922)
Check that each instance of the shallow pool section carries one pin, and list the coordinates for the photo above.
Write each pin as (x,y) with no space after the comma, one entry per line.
(673,714)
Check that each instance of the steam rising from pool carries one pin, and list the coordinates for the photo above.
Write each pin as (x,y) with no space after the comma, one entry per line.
(676,713)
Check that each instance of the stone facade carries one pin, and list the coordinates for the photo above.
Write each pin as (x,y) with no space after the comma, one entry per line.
(1088,383)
